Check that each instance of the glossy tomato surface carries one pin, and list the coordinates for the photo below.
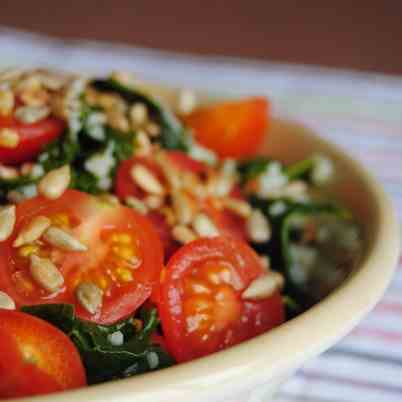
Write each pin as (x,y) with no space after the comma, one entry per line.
(124,255)
(36,358)
(231,129)
(32,138)
(201,307)
(228,223)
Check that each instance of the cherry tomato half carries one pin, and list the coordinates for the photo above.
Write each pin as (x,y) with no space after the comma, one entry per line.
(226,221)
(37,358)
(233,129)
(123,258)
(32,138)
(201,307)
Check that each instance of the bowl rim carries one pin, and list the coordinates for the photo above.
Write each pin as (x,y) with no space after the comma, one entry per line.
(301,338)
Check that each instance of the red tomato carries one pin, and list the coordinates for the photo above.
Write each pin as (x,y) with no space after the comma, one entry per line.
(124,183)
(227,222)
(234,129)
(201,308)
(125,187)
(33,138)
(185,162)
(124,255)
(37,358)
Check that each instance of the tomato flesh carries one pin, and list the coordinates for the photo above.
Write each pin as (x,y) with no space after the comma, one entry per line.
(124,256)
(37,358)
(201,308)
(33,138)
(228,223)
(234,129)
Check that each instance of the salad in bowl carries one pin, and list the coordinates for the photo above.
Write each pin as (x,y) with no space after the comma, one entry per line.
(136,234)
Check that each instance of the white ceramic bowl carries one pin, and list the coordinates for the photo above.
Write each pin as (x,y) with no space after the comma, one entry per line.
(252,371)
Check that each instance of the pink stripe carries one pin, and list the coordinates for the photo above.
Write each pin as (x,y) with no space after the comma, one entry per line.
(314,375)
(360,122)
(389,307)
(387,336)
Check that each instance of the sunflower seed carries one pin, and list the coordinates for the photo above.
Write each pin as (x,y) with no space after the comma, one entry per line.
(109,199)
(32,114)
(59,238)
(258,227)
(7,221)
(36,98)
(32,231)
(136,204)
(153,201)
(143,145)
(204,226)
(153,129)
(8,173)
(6,302)
(7,101)
(186,102)
(46,274)
(182,207)
(183,234)
(264,286)
(239,207)
(146,180)
(55,183)
(89,296)
(9,138)
(138,114)
(170,173)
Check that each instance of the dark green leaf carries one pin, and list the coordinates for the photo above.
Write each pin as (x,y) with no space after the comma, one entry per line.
(300,170)
(173,134)
(103,360)
(252,168)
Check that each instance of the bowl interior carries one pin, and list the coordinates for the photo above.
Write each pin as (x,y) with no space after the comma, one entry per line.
(269,356)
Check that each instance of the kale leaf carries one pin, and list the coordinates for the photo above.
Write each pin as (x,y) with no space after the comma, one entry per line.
(103,360)
(173,135)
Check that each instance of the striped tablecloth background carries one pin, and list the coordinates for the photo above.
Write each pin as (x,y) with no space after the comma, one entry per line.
(361,112)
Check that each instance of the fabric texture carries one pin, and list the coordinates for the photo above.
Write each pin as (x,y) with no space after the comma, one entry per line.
(361,112)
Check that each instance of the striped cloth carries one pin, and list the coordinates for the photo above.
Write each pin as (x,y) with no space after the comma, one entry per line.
(361,112)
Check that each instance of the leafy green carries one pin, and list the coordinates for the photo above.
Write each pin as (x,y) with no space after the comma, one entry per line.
(252,168)
(300,170)
(103,360)
(333,258)
(76,152)
(173,135)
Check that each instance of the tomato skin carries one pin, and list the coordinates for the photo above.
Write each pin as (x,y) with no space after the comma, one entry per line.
(231,323)
(33,138)
(185,162)
(233,128)
(126,188)
(227,222)
(37,358)
(123,299)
